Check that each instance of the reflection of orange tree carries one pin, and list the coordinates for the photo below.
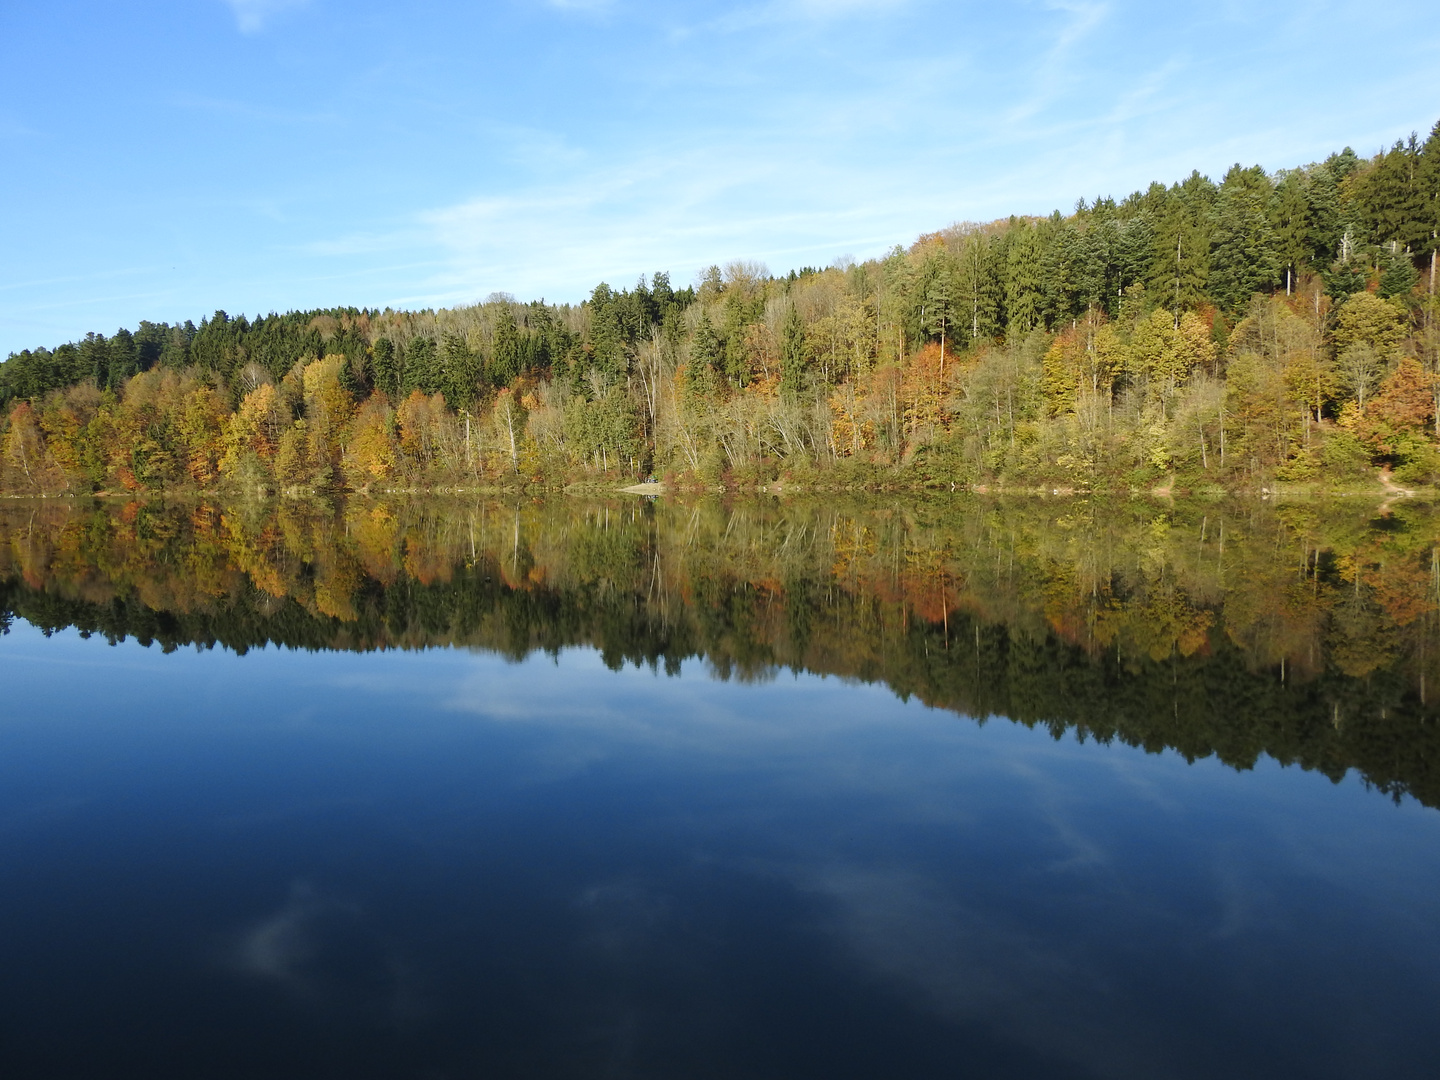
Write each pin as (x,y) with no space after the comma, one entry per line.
(373,529)
(257,554)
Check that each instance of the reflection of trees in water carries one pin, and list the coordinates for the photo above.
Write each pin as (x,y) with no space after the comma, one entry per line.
(1307,632)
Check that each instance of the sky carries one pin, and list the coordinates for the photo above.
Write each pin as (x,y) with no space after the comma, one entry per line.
(161,160)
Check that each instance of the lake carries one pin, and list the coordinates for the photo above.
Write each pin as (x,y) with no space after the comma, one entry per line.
(820,787)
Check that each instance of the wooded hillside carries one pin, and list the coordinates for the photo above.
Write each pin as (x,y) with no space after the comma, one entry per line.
(1266,328)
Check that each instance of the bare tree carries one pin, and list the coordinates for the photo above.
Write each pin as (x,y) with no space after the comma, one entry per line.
(1359,369)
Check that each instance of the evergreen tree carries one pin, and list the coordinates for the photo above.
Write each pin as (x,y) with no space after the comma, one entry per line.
(1060,272)
(1092,251)
(1180,262)
(795,359)
(420,367)
(607,341)
(1397,272)
(124,358)
(95,356)
(1290,225)
(461,372)
(1427,177)
(150,341)
(1243,253)
(384,361)
(1129,259)
(742,307)
(1389,199)
(705,345)
(1023,286)
(1324,219)
(504,363)
(939,305)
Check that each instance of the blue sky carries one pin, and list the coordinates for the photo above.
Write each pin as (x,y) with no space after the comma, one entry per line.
(164,159)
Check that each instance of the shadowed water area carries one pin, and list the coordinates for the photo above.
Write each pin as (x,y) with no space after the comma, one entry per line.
(748,788)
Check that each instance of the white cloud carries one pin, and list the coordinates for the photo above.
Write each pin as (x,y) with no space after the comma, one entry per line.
(252,16)
(678,209)
(783,12)
(325,951)
(587,6)
(277,948)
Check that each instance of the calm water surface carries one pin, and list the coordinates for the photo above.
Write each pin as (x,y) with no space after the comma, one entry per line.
(449,862)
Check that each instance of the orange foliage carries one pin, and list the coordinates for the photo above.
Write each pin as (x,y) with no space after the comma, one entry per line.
(1406,402)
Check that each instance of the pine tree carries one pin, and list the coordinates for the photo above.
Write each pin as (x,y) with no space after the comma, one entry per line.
(795,360)
(504,363)
(1290,224)
(1243,252)
(384,362)
(1427,176)
(1389,199)
(95,358)
(419,370)
(705,345)
(1023,285)
(460,372)
(608,355)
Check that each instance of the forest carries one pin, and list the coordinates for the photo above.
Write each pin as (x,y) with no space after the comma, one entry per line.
(1235,628)
(1265,332)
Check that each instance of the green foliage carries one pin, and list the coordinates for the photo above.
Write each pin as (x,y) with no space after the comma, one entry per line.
(1243,248)
(505,361)
(1417,459)
(1024,301)
(386,364)
(460,374)
(796,362)
(1398,275)
(421,369)
(705,349)
(1345,454)
(605,431)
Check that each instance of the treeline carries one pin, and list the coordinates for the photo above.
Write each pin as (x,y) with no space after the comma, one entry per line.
(1266,328)
(1307,634)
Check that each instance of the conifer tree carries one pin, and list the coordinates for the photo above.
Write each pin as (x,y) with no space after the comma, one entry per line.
(705,346)
(504,363)
(1243,257)
(384,362)
(794,354)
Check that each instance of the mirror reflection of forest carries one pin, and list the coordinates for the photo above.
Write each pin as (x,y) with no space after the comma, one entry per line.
(1306,631)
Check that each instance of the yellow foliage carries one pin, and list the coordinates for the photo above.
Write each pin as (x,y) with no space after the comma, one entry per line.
(252,429)
(371,451)
(850,431)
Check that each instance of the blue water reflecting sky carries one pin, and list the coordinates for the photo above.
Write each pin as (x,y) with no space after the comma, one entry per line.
(445,864)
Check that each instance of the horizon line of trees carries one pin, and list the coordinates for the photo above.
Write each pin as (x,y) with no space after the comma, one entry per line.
(1269,326)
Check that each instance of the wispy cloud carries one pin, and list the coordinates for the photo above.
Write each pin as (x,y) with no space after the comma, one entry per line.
(1055,68)
(584,6)
(70,279)
(781,12)
(637,217)
(11,128)
(247,110)
(323,950)
(252,16)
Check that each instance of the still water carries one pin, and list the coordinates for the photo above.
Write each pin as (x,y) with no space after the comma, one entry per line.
(560,789)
